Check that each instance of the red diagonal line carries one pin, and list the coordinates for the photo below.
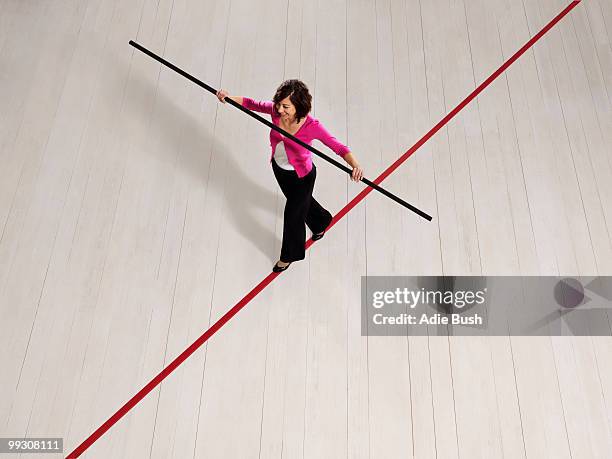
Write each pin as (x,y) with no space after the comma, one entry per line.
(270,277)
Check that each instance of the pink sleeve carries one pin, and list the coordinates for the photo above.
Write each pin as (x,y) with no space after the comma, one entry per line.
(330,141)
(256,106)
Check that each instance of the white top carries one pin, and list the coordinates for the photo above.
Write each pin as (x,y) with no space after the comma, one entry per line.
(280,156)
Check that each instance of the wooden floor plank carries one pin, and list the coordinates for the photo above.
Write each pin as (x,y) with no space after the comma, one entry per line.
(28,258)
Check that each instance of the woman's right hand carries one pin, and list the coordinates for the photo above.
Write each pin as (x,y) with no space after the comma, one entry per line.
(221,95)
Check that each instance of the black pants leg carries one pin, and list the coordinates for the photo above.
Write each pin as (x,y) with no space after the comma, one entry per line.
(317,218)
(300,208)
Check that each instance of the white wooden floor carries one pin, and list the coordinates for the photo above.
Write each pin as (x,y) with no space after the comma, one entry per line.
(135,210)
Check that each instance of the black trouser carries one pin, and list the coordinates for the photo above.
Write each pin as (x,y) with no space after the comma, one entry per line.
(300,208)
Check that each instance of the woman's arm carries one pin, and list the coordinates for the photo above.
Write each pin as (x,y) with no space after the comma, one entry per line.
(357,173)
(340,149)
(222,94)
(237,99)
(263,107)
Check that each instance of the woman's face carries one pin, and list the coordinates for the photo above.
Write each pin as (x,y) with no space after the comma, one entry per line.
(286,109)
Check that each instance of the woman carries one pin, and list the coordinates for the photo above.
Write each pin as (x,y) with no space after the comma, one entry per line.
(292,164)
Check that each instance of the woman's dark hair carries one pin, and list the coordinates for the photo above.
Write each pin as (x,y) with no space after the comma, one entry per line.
(298,93)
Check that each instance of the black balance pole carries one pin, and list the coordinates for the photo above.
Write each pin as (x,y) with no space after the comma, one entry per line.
(276,128)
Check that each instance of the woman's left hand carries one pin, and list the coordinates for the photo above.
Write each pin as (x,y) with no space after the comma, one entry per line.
(357,173)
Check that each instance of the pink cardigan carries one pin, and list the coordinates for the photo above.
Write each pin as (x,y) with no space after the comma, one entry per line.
(299,157)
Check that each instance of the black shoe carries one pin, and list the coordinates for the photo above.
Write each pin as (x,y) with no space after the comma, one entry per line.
(316,237)
(278,269)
